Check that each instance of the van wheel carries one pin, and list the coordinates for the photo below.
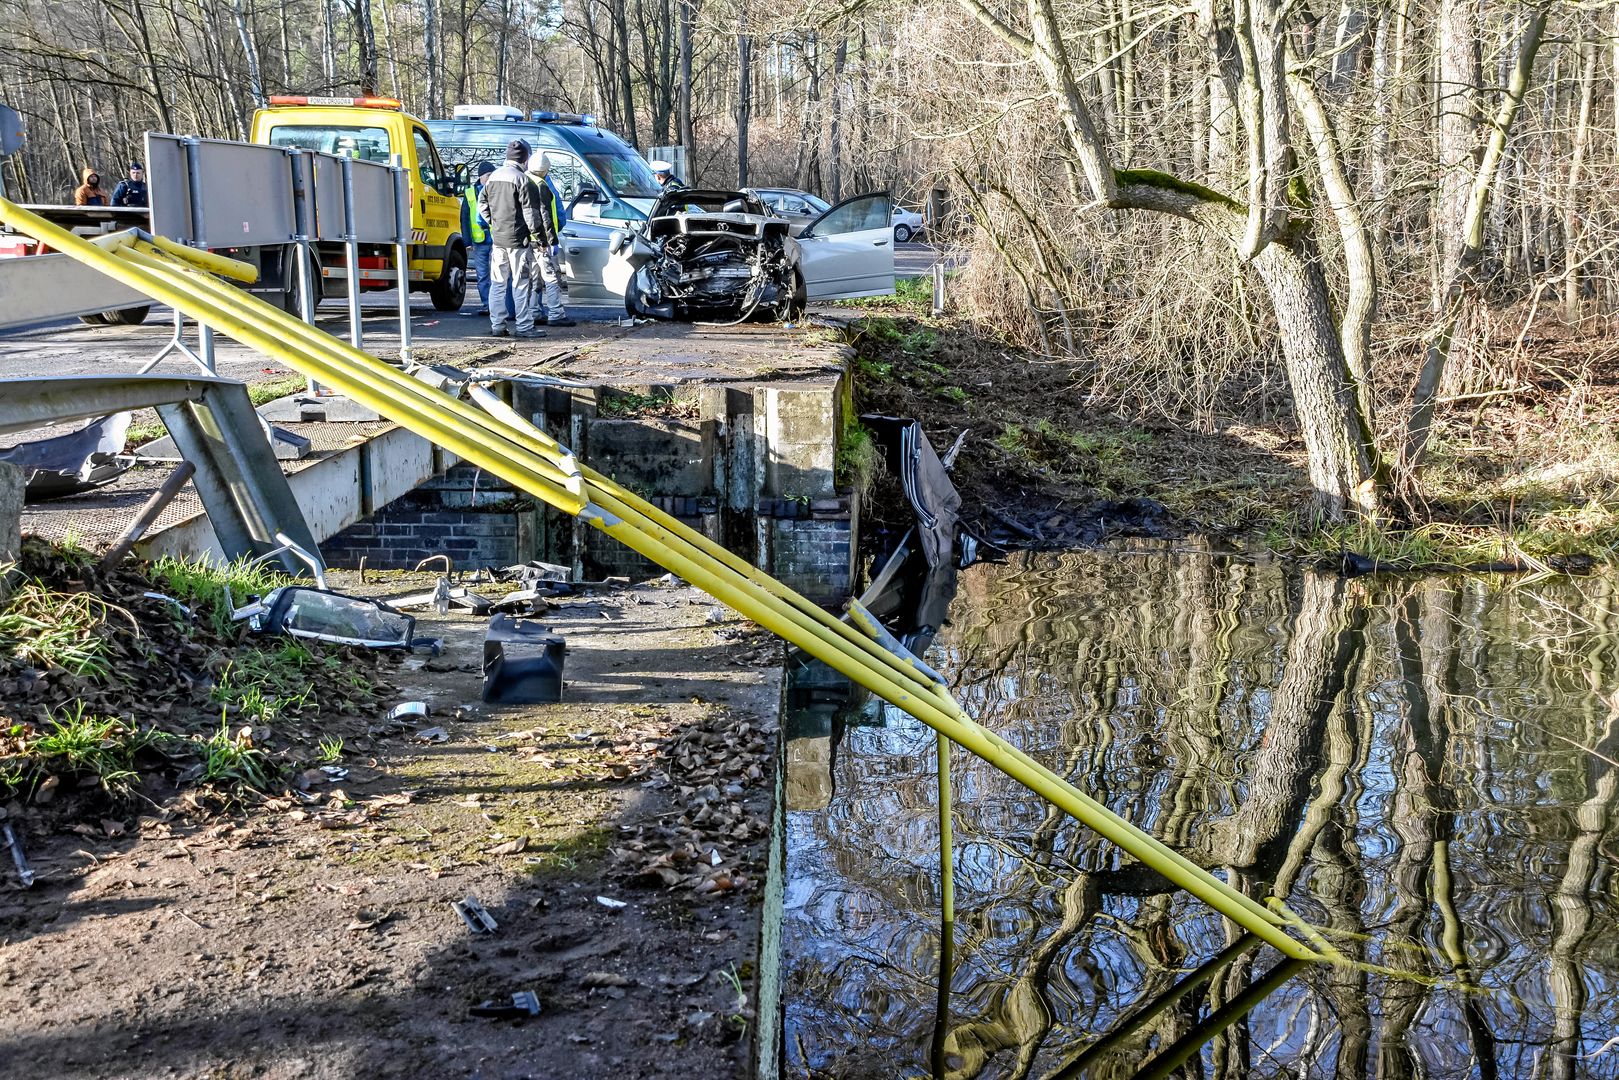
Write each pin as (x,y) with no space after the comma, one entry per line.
(129,316)
(95,318)
(450,290)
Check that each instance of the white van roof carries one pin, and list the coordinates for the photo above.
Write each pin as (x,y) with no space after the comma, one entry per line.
(488,112)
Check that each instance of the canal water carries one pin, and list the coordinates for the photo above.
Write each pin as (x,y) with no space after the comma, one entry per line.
(1424,768)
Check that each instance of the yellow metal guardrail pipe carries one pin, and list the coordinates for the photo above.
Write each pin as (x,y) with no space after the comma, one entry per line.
(509,447)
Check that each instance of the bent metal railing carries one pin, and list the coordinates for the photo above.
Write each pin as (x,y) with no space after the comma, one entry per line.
(499,440)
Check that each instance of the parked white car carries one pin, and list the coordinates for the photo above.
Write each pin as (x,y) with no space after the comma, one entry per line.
(907,224)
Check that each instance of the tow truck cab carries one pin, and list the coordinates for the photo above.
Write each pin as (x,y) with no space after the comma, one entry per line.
(374,129)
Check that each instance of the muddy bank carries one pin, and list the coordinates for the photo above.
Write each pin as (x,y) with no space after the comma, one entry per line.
(1521,479)
(1044,468)
(314,937)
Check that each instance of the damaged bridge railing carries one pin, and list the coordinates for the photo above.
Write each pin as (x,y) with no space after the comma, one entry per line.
(496,438)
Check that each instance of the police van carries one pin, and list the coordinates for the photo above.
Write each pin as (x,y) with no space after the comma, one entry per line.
(601,177)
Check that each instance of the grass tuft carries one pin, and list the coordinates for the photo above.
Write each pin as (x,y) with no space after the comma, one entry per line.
(202,586)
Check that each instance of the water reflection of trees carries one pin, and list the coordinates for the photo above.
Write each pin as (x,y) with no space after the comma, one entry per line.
(1422,768)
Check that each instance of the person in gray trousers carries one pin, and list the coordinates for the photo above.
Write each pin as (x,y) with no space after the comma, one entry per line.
(516,216)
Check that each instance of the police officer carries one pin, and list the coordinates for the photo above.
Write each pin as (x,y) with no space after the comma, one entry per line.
(131,191)
(664,174)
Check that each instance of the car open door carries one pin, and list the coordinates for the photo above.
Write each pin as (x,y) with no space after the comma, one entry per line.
(849,250)
(584,258)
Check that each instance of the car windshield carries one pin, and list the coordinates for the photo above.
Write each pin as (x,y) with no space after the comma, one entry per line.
(366,143)
(626,174)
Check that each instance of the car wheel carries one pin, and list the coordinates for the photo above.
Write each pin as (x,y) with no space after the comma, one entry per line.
(902,233)
(450,290)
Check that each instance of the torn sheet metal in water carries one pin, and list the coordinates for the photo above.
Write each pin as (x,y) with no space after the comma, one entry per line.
(332,617)
(926,480)
(75,462)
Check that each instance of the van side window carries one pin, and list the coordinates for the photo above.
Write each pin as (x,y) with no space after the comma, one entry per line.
(567,172)
(427,162)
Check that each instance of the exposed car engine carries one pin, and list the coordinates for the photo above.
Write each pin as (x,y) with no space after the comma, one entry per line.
(714,255)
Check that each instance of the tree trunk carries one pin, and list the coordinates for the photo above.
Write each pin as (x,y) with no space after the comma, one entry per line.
(687,138)
(626,89)
(328,44)
(365,30)
(250,49)
(1571,192)
(432,60)
(1469,248)
(1456,86)
(835,142)
(744,96)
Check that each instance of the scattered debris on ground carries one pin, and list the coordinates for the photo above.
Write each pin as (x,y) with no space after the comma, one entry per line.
(324,931)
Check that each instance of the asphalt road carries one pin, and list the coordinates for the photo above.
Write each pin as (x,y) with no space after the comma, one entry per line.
(69,347)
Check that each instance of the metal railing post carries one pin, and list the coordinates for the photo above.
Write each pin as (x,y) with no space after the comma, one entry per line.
(402,253)
(193,151)
(938,288)
(351,247)
(947,906)
(303,216)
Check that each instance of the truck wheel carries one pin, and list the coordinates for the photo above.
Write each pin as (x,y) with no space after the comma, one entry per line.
(129,316)
(450,289)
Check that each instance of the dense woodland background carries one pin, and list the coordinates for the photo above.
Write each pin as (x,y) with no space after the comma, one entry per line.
(1371,212)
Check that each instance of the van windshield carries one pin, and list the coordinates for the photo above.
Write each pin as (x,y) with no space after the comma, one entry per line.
(366,143)
(628,176)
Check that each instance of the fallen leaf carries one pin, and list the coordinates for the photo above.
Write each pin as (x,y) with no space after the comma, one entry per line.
(112,828)
(46,790)
(609,902)
(510,847)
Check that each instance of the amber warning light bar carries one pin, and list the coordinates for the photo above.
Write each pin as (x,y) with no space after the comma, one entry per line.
(355,102)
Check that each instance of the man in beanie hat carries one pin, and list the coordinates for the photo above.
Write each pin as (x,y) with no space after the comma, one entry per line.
(548,253)
(512,206)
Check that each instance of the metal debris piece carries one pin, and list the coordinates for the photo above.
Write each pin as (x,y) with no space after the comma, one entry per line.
(524,1003)
(409,708)
(442,596)
(609,902)
(477,917)
(522,662)
(80,460)
(24,874)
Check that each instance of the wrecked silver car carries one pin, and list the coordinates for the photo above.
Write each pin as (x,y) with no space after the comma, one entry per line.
(722,256)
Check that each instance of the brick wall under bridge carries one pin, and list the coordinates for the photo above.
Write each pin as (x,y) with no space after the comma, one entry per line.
(751,466)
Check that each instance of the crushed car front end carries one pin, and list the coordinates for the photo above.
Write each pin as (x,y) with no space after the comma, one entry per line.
(711,255)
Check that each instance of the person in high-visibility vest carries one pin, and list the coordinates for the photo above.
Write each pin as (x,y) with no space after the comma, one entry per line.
(476,231)
(548,257)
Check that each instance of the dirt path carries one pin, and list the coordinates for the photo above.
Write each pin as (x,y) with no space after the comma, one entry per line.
(315,938)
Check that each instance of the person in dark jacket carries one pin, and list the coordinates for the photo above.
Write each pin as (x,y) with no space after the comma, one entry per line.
(131,191)
(512,206)
(89,192)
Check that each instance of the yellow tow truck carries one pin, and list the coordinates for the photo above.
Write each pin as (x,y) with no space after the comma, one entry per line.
(374,129)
